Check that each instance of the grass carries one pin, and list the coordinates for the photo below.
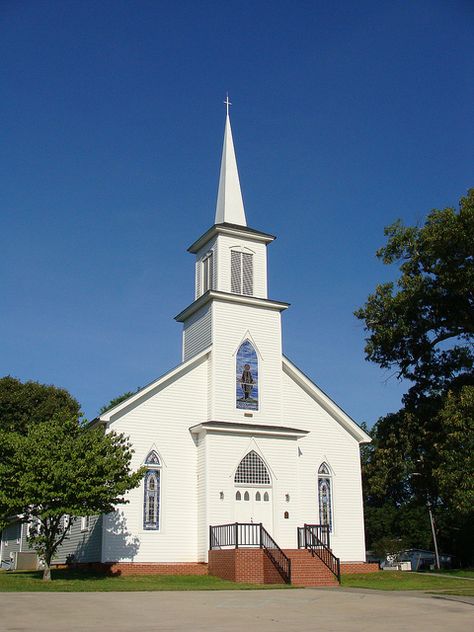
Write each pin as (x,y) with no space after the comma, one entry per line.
(457,572)
(65,580)
(398,580)
(68,580)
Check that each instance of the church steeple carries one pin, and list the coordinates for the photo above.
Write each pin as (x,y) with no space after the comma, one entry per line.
(230,206)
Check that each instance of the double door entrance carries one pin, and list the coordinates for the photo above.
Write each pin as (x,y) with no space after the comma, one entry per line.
(254,504)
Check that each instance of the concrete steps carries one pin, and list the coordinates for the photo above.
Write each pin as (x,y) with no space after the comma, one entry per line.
(307,570)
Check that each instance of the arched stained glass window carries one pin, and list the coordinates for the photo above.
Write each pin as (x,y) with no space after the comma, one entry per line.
(266,497)
(258,496)
(246,496)
(238,496)
(246,377)
(152,459)
(252,470)
(325,495)
(152,490)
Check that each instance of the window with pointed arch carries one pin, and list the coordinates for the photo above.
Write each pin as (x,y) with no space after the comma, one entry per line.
(325,495)
(252,471)
(246,373)
(152,492)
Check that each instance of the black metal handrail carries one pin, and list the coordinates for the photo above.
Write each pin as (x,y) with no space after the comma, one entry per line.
(281,562)
(318,548)
(321,530)
(250,534)
(234,534)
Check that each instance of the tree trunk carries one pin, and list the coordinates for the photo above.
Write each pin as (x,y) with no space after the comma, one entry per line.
(46,572)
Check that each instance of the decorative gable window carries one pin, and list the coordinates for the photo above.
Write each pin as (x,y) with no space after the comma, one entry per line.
(241,273)
(252,470)
(325,495)
(152,490)
(207,273)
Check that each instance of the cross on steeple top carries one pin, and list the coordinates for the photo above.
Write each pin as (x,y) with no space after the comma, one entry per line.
(230,206)
(227,103)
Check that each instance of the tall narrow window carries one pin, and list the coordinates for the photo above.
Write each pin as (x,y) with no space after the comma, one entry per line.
(325,495)
(85,523)
(207,273)
(246,373)
(152,487)
(241,273)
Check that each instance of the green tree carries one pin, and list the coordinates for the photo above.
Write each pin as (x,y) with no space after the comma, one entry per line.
(455,463)
(25,403)
(422,327)
(117,400)
(61,467)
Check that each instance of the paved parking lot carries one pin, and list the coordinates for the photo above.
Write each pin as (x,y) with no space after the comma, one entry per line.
(331,610)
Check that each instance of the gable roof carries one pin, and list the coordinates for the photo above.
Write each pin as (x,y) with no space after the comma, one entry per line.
(162,382)
(325,401)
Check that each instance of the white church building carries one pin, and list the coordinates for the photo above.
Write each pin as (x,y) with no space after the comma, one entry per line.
(252,472)
(236,435)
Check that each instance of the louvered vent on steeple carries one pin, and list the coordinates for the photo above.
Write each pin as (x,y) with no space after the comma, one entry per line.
(241,273)
(247,274)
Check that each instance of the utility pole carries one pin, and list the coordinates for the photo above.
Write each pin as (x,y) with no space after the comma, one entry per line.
(433,531)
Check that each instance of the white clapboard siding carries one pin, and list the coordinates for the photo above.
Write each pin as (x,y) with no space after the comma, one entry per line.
(231,324)
(162,421)
(331,443)
(197,333)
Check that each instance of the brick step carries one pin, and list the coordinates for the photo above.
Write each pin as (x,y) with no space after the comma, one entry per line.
(307,570)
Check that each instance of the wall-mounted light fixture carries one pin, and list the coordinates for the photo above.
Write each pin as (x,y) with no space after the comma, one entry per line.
(221,495)
(287,498)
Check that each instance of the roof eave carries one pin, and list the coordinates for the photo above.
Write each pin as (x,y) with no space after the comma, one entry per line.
(231,298)
(327,403)
(109,415)
(230,229)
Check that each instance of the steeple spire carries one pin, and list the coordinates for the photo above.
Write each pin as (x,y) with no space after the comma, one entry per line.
(230,206)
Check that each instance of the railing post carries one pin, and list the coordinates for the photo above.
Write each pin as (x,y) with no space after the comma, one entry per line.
(261,535)
(305,536)
(236,535)
(210,537)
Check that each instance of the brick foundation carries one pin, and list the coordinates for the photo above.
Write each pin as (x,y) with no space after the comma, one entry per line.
(359,567)
(250,566)
(150,568)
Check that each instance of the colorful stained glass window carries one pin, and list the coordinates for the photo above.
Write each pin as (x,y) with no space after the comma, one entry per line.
(152,489)
(325,496)
(247,377)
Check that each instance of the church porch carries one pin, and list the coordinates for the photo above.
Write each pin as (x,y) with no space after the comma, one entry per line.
(246,552)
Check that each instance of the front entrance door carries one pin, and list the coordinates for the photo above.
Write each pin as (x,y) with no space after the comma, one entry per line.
(253,504)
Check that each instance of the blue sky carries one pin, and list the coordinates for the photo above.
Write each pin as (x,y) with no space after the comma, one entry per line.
(346,116)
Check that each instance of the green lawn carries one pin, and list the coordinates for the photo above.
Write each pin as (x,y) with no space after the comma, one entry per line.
(457,572)
(397,580)
(88,581)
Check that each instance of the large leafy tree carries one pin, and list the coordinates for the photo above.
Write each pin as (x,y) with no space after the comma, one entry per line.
(61,467)
(26,403)
(22,405)
(422,328)
(52,465)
